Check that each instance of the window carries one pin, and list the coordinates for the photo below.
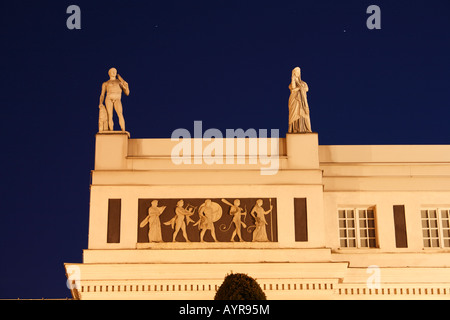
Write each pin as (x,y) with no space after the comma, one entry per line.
(435,228)
(357,228)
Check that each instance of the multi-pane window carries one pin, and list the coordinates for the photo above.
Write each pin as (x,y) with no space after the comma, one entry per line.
(347,228)
(357,228)
(436,228)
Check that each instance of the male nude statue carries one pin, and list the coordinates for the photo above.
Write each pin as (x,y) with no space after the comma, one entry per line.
(113,88)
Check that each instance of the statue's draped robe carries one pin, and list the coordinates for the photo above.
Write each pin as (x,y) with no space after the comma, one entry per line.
(260,233)
(154,224)
(298,108)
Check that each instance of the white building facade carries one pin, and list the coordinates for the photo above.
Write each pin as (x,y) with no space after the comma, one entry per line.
(332,222)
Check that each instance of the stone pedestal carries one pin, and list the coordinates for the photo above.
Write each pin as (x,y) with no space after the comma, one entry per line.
(302,150)
(111,150)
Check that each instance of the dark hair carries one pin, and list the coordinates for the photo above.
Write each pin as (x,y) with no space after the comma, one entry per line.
(239,286)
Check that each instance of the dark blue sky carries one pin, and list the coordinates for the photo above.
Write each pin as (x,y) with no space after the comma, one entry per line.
(227,63)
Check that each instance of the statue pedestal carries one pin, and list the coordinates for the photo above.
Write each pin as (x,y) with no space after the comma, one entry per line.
(111,149)
(302,150)
(114,133)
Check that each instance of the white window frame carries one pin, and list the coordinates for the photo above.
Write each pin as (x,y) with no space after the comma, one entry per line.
(357,227)
(440,227)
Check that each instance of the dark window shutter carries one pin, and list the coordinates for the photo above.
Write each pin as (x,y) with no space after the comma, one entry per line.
(114,209)
(401,240)
(300,219)
(142,233)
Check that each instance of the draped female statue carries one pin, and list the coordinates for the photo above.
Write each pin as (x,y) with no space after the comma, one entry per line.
(299,120)
(260,233)
(154,224)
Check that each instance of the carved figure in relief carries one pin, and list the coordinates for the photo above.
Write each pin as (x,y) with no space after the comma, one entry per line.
(178,221)
(260,233)
(113,89)
(153,221)
(237,213)
(299,119)
(209,212)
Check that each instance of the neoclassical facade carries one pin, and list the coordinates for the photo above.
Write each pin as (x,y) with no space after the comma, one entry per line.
(333,222)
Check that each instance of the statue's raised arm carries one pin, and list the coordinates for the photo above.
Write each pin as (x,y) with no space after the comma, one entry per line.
(124,85)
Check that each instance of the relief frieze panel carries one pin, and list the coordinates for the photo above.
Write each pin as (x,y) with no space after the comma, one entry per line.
(207,220)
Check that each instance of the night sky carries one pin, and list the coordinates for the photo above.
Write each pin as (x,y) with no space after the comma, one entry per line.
(226,63)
